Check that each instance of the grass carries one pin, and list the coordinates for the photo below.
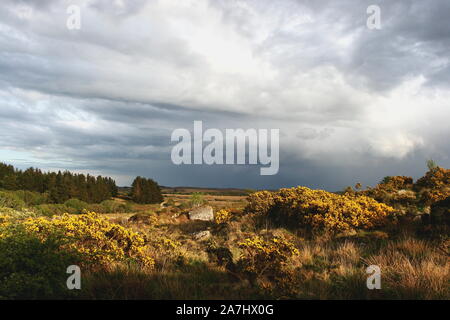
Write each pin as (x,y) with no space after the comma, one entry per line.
(325,268)
(196,280)
(410,268)
(413,265)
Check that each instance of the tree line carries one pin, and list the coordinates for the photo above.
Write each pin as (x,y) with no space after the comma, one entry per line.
(60,186)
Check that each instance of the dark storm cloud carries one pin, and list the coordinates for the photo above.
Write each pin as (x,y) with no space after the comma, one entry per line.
(352,104)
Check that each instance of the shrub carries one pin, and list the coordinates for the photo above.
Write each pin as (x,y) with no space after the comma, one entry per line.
(144,218)
(111,206)
(11,200)
(396,183)
(223,216)
(165,251)
(76,204)
(184,205)
(434,186)
(222,256)
(265,257)
(33,268)
(96,207)
(32,198)
(102,242)
(440,212)
(395,191)
(197,199)
(260,202)
(9,214)
(22,198)
(50,210)
(36,251)
(431,164)
(318,209)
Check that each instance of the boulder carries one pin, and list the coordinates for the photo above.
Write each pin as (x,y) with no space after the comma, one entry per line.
(204,213)
(142,218)
(202,235)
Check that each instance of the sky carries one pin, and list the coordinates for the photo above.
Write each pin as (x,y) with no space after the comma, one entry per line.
(352,103)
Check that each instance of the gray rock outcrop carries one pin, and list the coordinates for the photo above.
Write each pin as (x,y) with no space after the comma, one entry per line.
(204,213)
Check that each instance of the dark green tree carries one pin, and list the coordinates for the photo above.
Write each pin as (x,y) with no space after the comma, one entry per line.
(146,191)
(60,186)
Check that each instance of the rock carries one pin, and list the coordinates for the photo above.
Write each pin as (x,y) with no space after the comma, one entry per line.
(142,218)
(202,235)
(204,213)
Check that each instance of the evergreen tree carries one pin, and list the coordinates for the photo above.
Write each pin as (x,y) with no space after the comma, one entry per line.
(60,186)
(146,191)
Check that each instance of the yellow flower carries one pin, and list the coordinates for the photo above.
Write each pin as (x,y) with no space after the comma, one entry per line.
(223,216)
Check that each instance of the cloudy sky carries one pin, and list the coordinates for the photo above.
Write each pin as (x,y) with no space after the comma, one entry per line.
(352,103)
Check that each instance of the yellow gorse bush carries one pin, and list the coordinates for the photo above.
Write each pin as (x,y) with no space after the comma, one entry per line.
(265,256)
(434,186)
(435,178)
(397,183)
(275,245)
(4,221)
(394,190)
(101,242)
(167,244)
(260,202)
(223,216)
(319,209)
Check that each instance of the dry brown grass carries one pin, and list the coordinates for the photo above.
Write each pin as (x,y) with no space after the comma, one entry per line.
(410,269)
(218,201)
(414,269)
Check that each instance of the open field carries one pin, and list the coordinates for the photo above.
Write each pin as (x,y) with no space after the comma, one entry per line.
(218,201)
